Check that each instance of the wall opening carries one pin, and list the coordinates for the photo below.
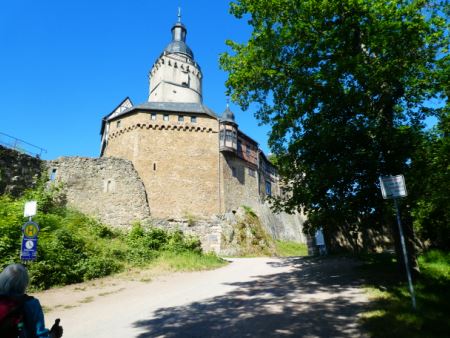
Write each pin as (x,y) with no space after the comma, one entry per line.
(53,174)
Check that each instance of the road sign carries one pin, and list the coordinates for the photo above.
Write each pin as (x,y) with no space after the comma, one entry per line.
(29,249)
(393,186)
(30,229)
(30,209)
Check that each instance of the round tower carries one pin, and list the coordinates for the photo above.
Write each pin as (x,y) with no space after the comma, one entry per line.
(175,76)
(228,131)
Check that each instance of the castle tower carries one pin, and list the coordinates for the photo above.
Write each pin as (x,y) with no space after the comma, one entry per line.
(172,139)
(175,76)
(228,131)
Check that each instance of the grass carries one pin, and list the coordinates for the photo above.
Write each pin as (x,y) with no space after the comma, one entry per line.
(391,314)
(289,249)
(186,261)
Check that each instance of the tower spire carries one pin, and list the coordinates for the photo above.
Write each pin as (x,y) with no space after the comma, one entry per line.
(179,14)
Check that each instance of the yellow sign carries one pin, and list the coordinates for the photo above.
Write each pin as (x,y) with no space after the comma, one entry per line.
(30,229)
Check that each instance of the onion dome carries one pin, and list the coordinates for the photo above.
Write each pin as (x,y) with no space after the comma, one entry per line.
(178,44)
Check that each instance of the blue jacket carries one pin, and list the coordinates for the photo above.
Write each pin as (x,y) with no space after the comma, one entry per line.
(34,320)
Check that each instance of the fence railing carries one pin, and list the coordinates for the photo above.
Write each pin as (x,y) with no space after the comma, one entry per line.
(21,145)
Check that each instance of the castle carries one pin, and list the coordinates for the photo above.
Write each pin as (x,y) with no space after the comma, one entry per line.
(191,161)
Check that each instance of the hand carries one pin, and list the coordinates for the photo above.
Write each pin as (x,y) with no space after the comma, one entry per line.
(56,331)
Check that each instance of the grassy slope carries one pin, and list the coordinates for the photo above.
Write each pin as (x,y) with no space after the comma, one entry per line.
(289,249)
(391,314)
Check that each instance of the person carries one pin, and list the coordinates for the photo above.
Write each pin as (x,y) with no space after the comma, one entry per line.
(13,284)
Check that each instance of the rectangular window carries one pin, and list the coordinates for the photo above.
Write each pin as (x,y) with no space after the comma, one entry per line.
(268,188)
(180,118)
(234,171)
(247,150)
(153,116)
(53,175)
(251,172)
(166,117)
(193,119)
(118,124)
(222,135)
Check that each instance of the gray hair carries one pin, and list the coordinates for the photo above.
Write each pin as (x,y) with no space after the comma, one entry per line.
(14,279)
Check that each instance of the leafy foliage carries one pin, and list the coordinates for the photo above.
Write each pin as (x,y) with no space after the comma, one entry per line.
(345,86)
(73,247)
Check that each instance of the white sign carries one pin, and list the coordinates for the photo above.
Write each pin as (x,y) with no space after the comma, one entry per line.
(393,186)
(30,209)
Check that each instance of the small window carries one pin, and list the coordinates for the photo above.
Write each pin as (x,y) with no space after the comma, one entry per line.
(180,118)
(154,166)
(251,172)
(166,117)
(268,188)
(118,124)
(53,174)
(234,171)
(247,150)
(194,119)
(153,117)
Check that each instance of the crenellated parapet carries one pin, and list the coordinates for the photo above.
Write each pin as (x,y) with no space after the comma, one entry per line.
(160,126)
(183,64)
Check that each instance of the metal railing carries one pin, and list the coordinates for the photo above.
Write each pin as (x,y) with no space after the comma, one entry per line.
(21,145)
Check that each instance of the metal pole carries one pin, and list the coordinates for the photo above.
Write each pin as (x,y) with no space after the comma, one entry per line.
(405,256)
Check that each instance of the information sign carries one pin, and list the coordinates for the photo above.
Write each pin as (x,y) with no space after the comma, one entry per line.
(29,249)
(393,186)
(30,209)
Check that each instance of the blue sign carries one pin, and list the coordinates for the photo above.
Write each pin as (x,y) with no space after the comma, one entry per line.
(29,249)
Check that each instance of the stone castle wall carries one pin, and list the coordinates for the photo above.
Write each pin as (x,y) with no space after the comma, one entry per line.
(240,188)
(107,188)
(177,161)
(18,171)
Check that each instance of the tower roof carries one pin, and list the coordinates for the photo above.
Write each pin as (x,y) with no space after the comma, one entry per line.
(228,116)
(178,43)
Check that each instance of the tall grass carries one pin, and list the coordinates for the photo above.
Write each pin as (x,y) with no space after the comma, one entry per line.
(392,315)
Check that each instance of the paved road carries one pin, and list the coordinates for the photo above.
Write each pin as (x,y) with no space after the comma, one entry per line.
(251,297)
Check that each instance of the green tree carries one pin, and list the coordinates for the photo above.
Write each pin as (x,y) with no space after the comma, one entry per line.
(344,85)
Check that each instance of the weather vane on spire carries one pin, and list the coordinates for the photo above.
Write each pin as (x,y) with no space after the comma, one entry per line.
(179,14)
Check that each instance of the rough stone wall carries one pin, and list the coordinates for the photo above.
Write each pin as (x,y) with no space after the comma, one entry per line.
(107,188)
(217,233)
(359,240)
(244,190)
(282,226)
(178,162)
(241,189)
(18,171)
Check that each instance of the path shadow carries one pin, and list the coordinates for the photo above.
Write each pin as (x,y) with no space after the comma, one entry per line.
(316,299)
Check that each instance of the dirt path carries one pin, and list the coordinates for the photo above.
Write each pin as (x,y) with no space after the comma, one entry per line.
(251,297)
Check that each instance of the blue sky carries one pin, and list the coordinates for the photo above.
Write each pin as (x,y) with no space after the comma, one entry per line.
(66,64)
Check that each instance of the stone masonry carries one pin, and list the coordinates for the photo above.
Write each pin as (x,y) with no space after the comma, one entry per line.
(18,171)
(107,188)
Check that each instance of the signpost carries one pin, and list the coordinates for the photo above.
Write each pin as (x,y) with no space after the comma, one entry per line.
(30,232)
(393,187)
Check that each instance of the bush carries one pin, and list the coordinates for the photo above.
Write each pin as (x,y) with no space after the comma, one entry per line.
(73,247)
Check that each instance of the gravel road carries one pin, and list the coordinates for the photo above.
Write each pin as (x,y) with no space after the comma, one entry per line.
(250,297)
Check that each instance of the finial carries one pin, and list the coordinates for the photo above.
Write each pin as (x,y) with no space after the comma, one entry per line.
(179,14)
(228,103)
